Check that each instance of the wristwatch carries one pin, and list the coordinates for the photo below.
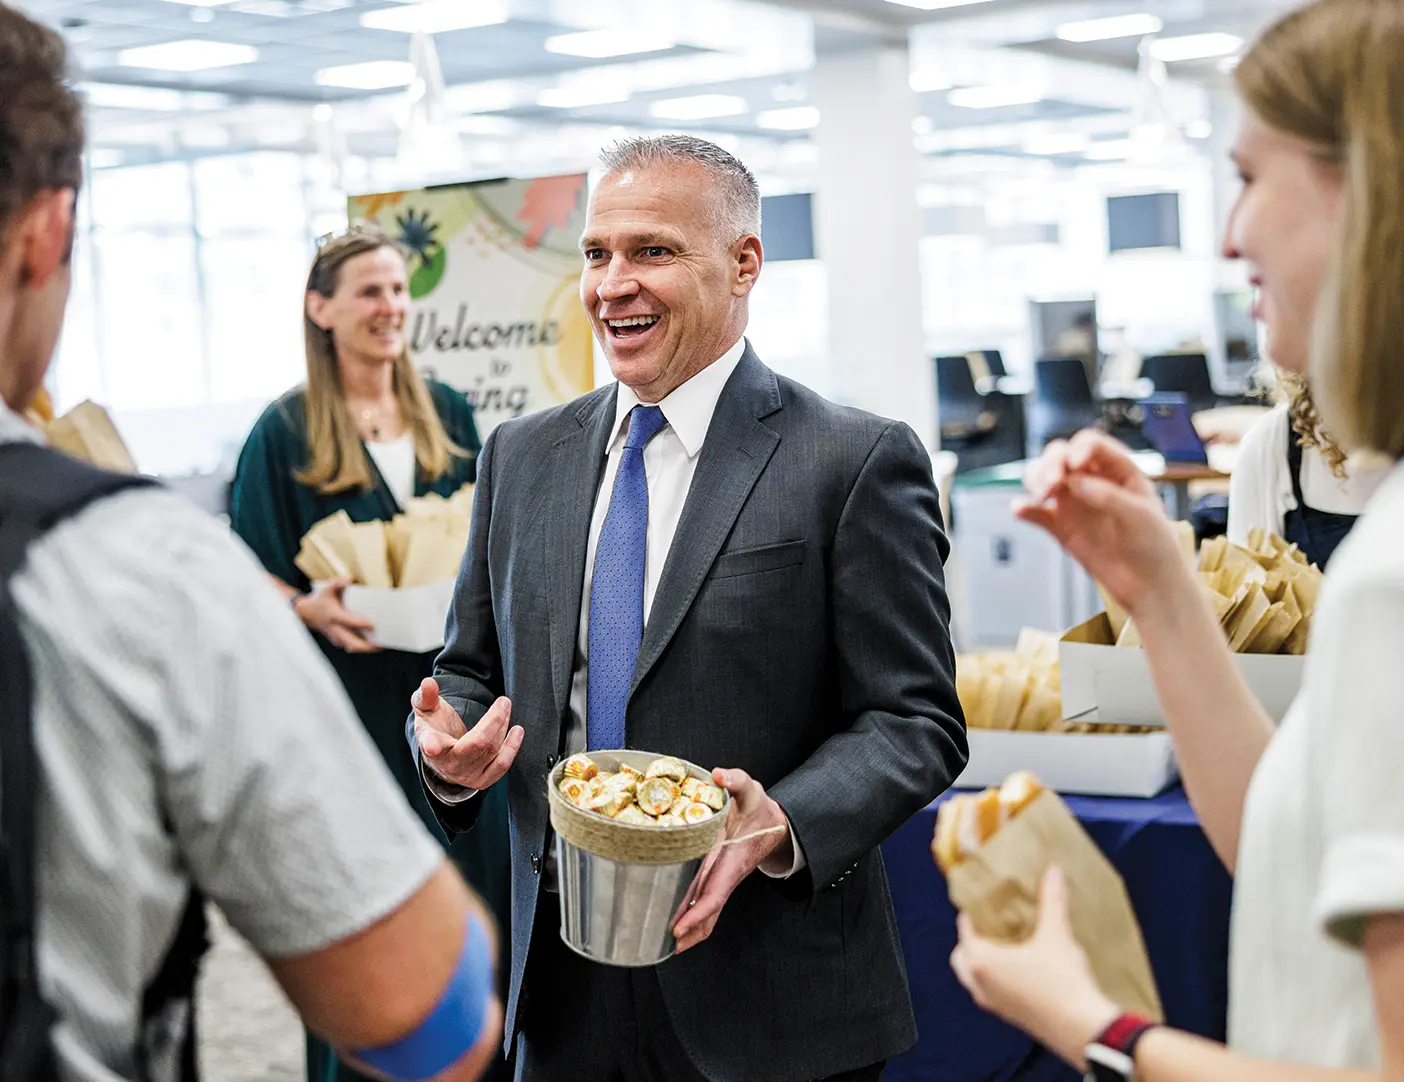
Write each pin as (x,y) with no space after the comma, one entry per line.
(1110,1058)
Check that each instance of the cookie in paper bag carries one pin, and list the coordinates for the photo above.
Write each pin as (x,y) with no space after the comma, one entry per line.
(995,847)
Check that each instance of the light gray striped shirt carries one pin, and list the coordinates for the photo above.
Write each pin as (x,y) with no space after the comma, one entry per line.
(174,686)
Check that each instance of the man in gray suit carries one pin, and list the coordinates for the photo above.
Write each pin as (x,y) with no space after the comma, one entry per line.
(705,560)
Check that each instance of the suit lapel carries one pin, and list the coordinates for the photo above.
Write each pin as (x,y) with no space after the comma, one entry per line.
(733,456)
(577,460)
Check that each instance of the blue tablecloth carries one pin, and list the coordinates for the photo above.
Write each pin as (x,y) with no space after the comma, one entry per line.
(1181,895)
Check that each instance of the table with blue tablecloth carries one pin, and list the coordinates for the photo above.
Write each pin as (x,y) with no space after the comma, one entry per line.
(1179,890)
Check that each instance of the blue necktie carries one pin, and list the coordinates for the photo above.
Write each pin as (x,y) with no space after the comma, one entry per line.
(617,588)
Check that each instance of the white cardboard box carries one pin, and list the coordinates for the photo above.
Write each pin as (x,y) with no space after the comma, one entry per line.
(1112,684)
(411,619)
(1094,764)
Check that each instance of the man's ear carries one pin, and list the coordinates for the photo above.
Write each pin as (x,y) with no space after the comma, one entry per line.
(749,257)
(43,236)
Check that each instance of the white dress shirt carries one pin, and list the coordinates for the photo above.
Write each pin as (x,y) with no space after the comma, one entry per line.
(670,461)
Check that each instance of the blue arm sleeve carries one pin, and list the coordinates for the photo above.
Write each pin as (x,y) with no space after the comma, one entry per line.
(452,1028)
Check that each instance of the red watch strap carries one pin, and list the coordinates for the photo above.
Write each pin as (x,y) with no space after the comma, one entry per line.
(1122,1035)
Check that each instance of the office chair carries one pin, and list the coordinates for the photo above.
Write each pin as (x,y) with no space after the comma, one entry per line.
(963,413)
(1063,401)
(1187,373)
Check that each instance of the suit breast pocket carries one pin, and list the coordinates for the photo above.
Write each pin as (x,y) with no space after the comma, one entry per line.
(758,560)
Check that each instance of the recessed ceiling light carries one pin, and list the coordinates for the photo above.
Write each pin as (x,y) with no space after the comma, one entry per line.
(322,113)
(936,5)
(598,44)
(993,97)
(371,75)
(1117,26)
(192,54)
(1195,47)
(437,16)
(575,97)
(798,118)
(698,107)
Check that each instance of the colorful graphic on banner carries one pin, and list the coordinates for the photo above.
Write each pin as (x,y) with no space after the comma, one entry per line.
(494,276)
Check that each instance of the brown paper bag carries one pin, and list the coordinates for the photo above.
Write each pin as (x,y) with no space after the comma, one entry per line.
(372,565)
(87,432)
(997,888)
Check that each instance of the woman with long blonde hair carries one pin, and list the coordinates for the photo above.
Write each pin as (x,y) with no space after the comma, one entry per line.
(1308,815)
(364,434)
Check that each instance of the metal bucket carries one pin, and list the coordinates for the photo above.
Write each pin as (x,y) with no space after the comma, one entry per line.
(621,884)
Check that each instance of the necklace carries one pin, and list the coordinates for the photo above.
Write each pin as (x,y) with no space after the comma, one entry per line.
(368,415)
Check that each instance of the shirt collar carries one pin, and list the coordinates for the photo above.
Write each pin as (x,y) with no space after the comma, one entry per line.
(689,407)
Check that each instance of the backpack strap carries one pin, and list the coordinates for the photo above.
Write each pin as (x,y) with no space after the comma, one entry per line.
(39,488)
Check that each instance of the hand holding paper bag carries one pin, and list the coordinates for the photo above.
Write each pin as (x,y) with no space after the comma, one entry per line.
(1061,956)
(1043,985)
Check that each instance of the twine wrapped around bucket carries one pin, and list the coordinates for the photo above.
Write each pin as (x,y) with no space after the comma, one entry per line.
(627,842)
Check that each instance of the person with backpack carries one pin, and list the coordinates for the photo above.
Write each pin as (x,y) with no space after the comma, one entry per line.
(170,734)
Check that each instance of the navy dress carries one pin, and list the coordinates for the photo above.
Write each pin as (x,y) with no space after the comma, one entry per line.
(271,511)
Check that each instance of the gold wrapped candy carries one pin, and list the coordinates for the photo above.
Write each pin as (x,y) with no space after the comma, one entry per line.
(610,801)
(667,767)
(580,766)
(696,813)
(664,795)
(656,795)
(709,795)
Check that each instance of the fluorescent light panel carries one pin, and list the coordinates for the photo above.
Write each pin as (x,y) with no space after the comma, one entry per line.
(372,75)
(1114,150)
(936,5)
(1195,47)
(929,82)
(577,97)
(436,16)
(598,44)
(993,97)
(155,99)
(1109,29)
(1056,143)
(798,118)
(191,54)
(202,3)
(699,107)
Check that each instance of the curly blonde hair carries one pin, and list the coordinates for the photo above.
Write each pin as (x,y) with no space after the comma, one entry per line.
(1306,422)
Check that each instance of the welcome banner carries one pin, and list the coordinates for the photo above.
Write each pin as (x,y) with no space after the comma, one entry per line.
(494,277)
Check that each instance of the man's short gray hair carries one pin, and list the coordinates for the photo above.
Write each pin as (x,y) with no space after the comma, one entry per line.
(736,195)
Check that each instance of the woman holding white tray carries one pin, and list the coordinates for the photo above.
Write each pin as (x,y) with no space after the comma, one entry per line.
(363,435)
(1310,815)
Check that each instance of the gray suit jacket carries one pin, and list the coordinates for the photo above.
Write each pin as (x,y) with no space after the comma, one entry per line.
(800,631)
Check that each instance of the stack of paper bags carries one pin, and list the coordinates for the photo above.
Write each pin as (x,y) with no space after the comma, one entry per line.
(1263,595)
(1016,691)
(423,544)
(87,432)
